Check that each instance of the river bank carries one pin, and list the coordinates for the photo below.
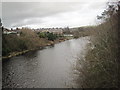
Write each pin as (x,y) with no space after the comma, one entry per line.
(50,43)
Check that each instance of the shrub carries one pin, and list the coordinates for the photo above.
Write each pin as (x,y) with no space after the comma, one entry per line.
(100,67)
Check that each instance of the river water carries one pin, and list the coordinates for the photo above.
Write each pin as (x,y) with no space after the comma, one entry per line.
(51,67)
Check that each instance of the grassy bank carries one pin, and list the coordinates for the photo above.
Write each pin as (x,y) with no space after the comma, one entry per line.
(100,65)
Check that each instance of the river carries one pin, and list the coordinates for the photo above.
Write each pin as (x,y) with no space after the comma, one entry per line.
(51,67)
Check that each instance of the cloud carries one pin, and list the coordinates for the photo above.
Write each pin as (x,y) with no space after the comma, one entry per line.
(50,14)
(56,0)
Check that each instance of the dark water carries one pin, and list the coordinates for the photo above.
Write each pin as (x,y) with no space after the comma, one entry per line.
(48,68)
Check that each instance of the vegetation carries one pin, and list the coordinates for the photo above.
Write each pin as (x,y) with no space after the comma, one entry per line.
(0,38)
(101,64)
(28,40)
(83,31)
(49,36)
(66,30)
(12,42)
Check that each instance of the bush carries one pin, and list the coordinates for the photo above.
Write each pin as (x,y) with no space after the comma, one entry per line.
(51,36)
(42,35)
(100,67)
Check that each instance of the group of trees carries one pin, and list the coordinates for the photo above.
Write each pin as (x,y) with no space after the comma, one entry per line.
(83,31)
(0,37)
(101,64)
(0,28)
(27,40)
(48,35)
(66,30)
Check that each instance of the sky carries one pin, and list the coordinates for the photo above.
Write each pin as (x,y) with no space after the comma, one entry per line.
(48,14)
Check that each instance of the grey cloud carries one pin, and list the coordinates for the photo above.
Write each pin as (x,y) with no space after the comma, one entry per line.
(27,22)
(97,5)
(16,14)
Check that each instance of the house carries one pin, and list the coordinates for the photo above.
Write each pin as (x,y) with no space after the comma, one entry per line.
(7,31)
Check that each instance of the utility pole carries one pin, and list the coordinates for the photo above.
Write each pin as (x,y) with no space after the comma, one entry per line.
(0,23)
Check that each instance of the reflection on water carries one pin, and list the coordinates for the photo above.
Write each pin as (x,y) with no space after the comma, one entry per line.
(47,68)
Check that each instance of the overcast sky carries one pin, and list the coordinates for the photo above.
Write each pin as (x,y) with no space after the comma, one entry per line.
(51,14)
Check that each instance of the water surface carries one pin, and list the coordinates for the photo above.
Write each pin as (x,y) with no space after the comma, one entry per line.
(47,68)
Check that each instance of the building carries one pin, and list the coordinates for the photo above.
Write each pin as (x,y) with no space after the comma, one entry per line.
(7,31)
